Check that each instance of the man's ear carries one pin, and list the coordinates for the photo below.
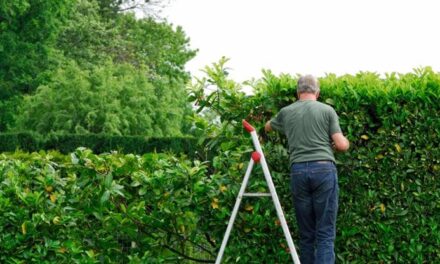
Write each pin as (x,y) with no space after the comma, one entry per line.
(317,95)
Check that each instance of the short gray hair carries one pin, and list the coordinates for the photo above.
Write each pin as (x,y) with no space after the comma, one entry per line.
(308,84)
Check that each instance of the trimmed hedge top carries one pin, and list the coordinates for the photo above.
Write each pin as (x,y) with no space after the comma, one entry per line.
(99,143)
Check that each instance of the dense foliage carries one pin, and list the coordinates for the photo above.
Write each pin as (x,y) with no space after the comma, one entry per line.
(98,143)
(85,66)
(111,99)
(160,208)
(28,31)
(389,180)
(85,208)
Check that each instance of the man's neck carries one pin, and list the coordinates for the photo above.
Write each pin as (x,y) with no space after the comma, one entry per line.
(307,97)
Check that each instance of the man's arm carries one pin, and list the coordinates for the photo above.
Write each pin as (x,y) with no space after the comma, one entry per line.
(268,127)
(341,143)
(276,123)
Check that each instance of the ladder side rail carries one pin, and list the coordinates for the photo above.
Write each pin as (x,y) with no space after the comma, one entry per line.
(234,212)
(275,198)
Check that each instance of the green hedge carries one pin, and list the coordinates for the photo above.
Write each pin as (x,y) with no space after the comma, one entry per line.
(99,143)
(389,179)
(107,208)
(155,208)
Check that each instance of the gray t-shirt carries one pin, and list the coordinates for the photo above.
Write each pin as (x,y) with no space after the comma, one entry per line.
(308,125)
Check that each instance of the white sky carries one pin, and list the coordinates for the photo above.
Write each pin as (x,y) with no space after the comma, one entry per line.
(310,36)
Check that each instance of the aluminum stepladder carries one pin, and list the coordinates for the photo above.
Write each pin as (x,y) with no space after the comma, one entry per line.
(258,157)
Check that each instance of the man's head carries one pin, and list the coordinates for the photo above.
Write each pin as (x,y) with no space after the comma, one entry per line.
(308,84)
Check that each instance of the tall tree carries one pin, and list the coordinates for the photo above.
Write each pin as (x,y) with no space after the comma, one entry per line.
(90,39)
(156,48)
(110,98)
(28,31)
(86,41)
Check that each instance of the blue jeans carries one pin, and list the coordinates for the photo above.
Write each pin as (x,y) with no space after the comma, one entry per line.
(315,195)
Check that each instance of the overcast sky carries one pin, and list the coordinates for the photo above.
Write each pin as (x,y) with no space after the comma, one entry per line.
(310,36)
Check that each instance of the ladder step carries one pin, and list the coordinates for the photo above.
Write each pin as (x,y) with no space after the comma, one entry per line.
(256,194)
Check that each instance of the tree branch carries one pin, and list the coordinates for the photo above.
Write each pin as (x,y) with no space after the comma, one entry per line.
(188,257)
(182,238)
(129,7)
(141,227)
(208,238)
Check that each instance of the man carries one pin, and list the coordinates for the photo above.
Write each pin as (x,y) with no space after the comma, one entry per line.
(313,132)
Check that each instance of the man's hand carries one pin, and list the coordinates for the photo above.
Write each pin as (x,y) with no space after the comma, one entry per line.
(340,143)
(268,127)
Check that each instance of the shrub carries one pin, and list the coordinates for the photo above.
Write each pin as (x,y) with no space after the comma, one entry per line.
(108,208)
(389,180)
